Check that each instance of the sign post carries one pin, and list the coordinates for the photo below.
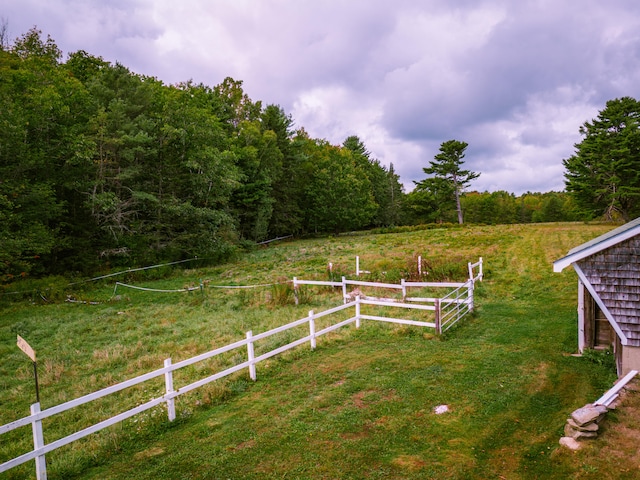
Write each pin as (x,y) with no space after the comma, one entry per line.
(30,352)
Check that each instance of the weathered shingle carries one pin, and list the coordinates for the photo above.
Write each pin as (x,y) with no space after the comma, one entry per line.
(614,274)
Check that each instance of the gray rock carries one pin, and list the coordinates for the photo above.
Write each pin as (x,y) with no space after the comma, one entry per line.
(570,443)
(589,427)
(577,434)
(588,414)
(581,435)
(603,409)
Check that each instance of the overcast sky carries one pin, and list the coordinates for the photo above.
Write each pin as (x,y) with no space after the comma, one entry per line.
(514,79)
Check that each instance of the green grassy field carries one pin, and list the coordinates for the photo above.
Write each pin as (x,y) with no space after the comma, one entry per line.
(359,406)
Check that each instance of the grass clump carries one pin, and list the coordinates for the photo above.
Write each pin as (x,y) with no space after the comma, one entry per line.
(282,293)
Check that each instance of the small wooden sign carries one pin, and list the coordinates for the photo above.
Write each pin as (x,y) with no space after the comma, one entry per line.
(26,348)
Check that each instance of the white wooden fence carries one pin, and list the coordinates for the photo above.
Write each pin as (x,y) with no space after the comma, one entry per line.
(448,310)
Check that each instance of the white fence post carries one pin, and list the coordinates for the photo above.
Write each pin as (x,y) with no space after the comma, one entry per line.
(38,442)
(295,290)
(438,313)
(419,266)
(168,382)
(252,365)
(581,312)
(480,273)
(470,295)
(357,266)
(404,290)
(344,289)
(312,330)
(358,311)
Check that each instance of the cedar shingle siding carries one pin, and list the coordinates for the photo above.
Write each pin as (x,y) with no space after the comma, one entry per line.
(614,274)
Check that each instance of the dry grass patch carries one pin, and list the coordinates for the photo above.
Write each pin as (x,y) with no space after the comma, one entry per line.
(371,397)
(149,453)
(51,373)
(244,445)
(540,380)
(152,361)
(213,393)
(412,463)
(117,352)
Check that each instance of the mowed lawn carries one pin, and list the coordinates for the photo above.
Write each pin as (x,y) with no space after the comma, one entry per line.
(359,406)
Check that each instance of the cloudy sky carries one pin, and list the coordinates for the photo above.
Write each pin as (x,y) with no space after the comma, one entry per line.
(514,79)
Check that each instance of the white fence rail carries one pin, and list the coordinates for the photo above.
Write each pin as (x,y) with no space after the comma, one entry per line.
(403,285)
(477,265)
(612,394)
(448,310)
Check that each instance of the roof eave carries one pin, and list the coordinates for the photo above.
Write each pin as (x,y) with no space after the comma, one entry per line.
(578,254)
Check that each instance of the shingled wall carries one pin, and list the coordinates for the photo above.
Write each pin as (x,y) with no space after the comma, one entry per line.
(614,274)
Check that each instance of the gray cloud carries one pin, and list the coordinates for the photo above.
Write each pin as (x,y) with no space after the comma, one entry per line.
(513,79)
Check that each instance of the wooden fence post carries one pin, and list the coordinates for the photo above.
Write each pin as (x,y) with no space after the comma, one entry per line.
(168,383)
(38,442)
(438,312)
(358,311)
(252,365)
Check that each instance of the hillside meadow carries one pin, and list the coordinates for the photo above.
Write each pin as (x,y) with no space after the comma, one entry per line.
(361,405)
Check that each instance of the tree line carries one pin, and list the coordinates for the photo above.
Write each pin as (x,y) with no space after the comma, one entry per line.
(101,167)
(493,208)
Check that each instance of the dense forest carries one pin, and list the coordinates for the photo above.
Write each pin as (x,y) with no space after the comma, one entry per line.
(100,167)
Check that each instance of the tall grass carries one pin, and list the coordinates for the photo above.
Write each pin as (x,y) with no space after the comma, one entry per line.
(360,406)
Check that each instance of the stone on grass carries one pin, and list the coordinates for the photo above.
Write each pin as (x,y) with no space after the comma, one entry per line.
(440,409)
(570,443)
